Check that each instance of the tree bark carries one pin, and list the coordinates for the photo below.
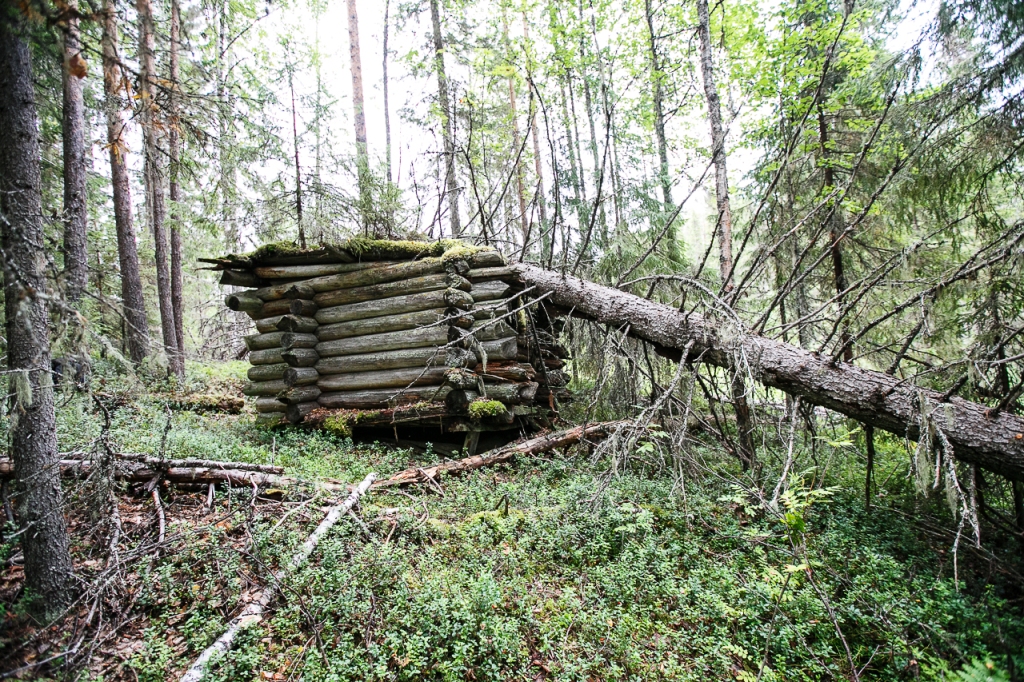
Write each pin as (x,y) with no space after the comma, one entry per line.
(33,429)
(991,441)
(115,87)
(387,106)
(744,423)
(154,185)
(298,167)
(359,114)
(447,122)
(174,190)
(76,258)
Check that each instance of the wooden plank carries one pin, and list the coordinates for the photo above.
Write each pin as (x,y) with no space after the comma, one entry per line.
(308,271)
(381,397)
(395,305)
(373,292)
(379,325)
(414,338)
(377,274)
(391,378)
(266,372)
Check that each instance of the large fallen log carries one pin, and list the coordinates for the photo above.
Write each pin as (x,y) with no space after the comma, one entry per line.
(534,446)
(145,471)
(977,434)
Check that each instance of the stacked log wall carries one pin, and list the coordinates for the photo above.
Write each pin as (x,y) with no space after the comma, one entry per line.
(436,337)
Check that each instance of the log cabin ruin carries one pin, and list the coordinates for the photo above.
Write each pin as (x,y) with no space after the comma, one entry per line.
(375,334)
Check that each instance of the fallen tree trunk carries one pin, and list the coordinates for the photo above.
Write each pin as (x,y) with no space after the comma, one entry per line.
(253,613)
(978,434)
(145,471)
(534,446)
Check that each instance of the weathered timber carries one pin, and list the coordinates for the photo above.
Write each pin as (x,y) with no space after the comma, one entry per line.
(300,376)
(977,434)
(240,278)
(419,413)
(269,404)
(534,446)
(308,271)
(377,274)
(263,341)
(490,274)
(269,324)
(379,325)
(485,259)
(300,357)
(490,291)
(377,291)
(290,340)
(381,397)
(413,338)
(288,306)
(257,388)
(390,378)
(509,394)
(266,372)
(297,412)
(284,291)
(298,324)
(271,356)
(461,379)
(455,281)
(406,357)
(396,305)
(244,302)
(298,394)
(458,299)
(507,371)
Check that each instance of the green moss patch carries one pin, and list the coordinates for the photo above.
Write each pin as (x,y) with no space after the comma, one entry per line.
(482,408)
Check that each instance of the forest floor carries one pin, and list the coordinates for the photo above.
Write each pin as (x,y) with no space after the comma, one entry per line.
(548,568)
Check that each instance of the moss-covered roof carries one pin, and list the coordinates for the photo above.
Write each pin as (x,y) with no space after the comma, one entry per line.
(349,251)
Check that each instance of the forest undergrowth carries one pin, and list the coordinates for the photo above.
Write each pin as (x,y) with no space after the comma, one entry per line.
(549,568)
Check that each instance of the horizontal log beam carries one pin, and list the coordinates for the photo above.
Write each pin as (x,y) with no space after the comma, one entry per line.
(390,378)
(300,376)
(396,305)
(308,271)
(258,388)
(285,291)
(271,356)
(379,325)
(300,357)
(976,434)
(266,372)
(267,404)
(374,292)
(299,394)
(377,274)
(240,278)
(381,397)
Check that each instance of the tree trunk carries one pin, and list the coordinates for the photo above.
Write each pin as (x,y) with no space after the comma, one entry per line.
(115,87)
(448,122)
(174,144)
(658,95)
(298,168)
(387,106)
(154,184)
(75,216)
(744,424)
(359,114)
(33,430)
(991,441)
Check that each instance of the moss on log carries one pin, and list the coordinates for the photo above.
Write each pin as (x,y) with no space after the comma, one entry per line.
(271,356)
(379,325)
(266,372)
(258,388)
(378,291)
(390,378)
